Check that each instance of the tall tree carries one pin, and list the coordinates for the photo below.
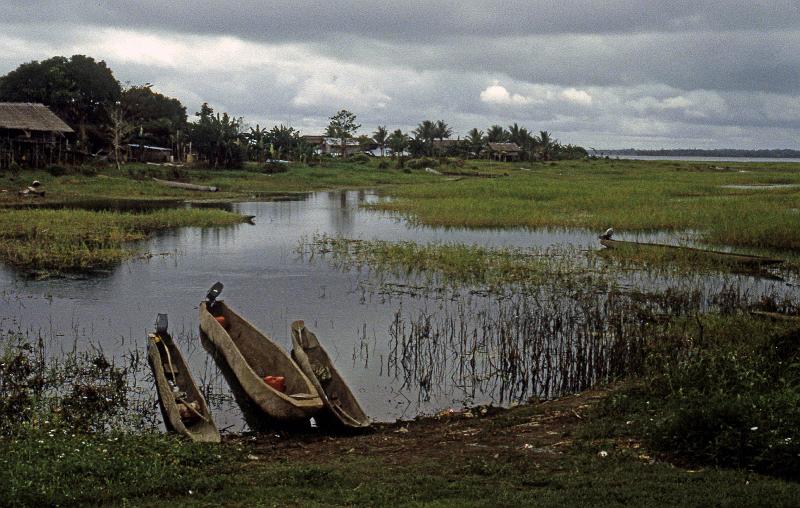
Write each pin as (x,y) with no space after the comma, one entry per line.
(343,126)
(441,130)
(380,136)
(160,119)
(475,140)
(119,129)
(496,134)
(398,142)
(425,133)
(79,90)
(218,138)
(546,144)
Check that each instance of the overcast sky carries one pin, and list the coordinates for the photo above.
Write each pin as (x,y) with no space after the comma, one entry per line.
(600,73)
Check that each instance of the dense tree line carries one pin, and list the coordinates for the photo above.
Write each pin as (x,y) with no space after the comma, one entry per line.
(107,116)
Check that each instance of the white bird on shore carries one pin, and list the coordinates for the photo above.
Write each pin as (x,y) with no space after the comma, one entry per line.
(608,234)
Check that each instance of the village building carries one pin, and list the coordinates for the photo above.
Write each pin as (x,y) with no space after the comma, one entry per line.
(148,153)
(325,145)
(503,152)
(33,136)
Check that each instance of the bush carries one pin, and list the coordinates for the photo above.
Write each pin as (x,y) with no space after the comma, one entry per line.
(271,167)
(359,158)
(383,164)
(732,403)
(422,162)
(57,170)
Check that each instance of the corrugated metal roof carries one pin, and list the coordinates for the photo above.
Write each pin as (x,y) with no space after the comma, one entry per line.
(28,116)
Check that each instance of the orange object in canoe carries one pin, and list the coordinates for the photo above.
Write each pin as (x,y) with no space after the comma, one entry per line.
(221,320)
(277,382)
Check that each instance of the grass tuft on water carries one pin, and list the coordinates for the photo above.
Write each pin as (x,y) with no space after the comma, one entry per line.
(38,241)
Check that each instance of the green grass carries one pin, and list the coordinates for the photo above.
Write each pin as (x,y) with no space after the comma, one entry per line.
(627,195)
(152,470)
(81,240)
(453,262)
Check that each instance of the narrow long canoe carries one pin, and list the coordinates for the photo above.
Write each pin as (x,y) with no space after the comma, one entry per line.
(724,257)
(170,370)
(341,407)
(252,356)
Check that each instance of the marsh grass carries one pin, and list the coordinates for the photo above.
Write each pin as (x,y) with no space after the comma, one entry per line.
(631,196)
(448,263)
(80,240)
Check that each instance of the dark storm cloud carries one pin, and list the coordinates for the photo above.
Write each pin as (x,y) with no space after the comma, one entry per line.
(616,73)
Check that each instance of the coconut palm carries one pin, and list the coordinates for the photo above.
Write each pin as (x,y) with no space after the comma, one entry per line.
(442,131)
(496,134)
(546,145)
(426,133)
(380,136)
(475,141)
(398,142)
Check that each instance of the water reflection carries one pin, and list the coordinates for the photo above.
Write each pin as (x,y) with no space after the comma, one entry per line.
(272,286)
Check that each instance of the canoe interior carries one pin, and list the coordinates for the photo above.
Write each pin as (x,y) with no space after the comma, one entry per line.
(317,365)
(172,367)
(262,355)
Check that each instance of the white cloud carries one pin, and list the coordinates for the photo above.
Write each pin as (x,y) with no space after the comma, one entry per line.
(577,96)
(497,94)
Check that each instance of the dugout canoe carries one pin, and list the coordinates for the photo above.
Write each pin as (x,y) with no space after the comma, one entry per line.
(720,256)
(178,392)
(251,356)
(341,407)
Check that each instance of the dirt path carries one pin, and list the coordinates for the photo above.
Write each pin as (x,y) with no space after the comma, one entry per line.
(539,429)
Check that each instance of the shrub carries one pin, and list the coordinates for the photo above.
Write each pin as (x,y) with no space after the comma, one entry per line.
(732,402)
(271,167)
(359,158)
(422,162)
(57,170)
(383,164)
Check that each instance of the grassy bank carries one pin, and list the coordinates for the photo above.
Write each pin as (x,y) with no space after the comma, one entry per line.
(52,241)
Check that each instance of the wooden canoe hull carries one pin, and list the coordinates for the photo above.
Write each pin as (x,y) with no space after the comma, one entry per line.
(251,355)
(200,430)
(724,257)
(341,407)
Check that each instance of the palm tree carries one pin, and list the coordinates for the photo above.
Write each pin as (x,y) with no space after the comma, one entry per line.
(257,142)
(441,131)
(546,144)
(475,141)
(496,134)
(398,142)
(380,136)
(426,132)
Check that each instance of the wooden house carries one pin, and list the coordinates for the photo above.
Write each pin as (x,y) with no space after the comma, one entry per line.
(504,152)
(32,136)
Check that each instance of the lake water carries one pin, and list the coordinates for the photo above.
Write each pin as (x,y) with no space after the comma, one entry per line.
(268,282)
(702,159)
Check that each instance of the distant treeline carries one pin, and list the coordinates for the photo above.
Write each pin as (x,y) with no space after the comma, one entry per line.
(784,153)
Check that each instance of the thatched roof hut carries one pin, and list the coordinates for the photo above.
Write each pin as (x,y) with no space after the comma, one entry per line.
(26,116)
(504,151)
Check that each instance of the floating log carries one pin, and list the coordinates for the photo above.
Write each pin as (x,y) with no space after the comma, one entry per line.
(720,256)
(187,186)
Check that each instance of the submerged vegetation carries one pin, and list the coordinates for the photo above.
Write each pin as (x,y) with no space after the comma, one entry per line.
(81,240)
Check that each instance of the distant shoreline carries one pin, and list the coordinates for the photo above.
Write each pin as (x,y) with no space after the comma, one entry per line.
(720,152)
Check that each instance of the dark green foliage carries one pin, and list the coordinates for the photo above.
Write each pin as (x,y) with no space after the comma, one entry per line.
(271,167)
(359,158)
(77,89)
(158,120)
(729,398)
(383,164)
(422,163)
(218,139)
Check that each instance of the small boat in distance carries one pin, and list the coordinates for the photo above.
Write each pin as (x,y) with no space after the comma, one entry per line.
(267,375)
(691,252)
(183,406)
(342,408)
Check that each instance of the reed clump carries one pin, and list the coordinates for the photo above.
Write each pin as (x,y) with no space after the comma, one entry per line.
(80,240)
(452,263)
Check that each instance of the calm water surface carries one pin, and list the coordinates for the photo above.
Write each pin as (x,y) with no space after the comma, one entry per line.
(269,283)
